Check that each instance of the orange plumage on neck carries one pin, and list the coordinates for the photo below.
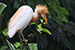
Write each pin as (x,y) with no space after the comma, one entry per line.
(34,19)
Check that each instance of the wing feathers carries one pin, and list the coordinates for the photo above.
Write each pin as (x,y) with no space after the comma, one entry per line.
(20,20)
(15,15)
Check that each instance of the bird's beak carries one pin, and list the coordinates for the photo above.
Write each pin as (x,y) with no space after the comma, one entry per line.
(44,17)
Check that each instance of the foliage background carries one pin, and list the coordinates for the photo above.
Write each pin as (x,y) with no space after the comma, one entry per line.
(61,19)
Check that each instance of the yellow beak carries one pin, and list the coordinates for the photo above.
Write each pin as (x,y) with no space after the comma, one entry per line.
(44,17)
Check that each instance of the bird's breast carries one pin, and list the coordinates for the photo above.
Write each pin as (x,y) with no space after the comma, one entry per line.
(34,19)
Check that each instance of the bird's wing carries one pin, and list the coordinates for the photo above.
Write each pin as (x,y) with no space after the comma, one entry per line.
(21,18)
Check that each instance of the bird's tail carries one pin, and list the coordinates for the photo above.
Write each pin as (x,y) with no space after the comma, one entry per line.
(11,33)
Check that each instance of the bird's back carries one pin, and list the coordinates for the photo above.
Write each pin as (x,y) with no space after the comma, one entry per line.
(20,19)
(19,15)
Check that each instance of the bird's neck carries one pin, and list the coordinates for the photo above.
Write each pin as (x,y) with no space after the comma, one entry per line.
(35,16)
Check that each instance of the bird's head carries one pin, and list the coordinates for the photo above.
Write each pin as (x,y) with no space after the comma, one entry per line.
(42,10)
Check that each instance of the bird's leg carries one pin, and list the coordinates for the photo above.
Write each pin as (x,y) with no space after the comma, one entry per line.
(23,38)
(26,45)
(20,38)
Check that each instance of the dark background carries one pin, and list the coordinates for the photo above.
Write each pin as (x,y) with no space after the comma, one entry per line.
(61,23)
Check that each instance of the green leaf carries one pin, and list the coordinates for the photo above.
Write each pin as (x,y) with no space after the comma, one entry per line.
(64,11)
(5,32)
(33,46)
(10,45)
(39,31)
(2,7)
(3,47)
(47,31)
(32,23)
(40,28)
(41,20)
(17,45)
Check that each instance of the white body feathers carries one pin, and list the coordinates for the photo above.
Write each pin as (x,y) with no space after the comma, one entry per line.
(20,20)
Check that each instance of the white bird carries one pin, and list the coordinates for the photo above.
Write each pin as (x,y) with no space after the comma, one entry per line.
(23,16)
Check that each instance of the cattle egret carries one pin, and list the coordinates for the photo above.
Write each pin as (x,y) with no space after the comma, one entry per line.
(23,16)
